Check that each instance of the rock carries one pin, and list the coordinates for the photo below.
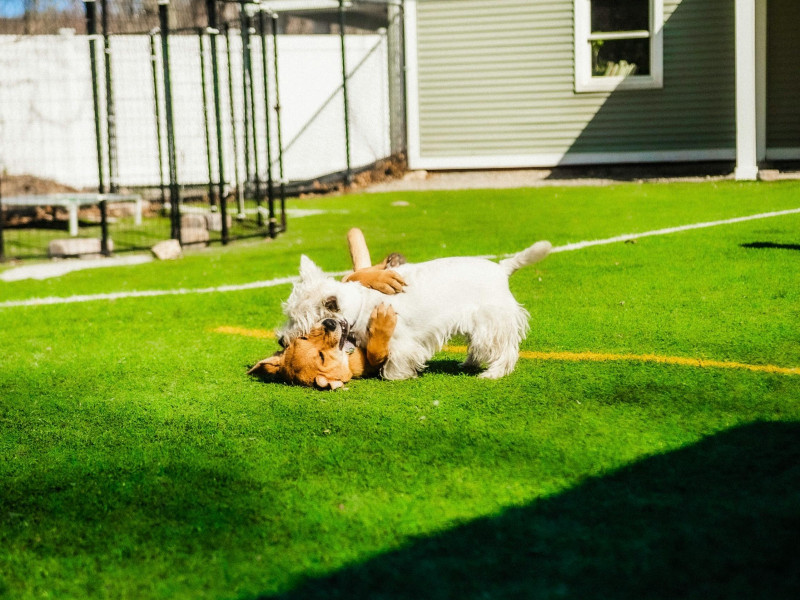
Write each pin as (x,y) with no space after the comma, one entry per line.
(194,236)
(76,247)
(420,175)
(214,221)
(167,250)
(193,221)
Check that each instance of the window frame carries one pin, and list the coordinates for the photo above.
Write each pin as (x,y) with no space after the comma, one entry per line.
(586,82)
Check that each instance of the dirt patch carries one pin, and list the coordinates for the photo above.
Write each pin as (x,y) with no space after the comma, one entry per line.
(386,170)
(25,185)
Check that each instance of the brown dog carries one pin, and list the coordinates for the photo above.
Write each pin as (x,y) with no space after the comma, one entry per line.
(324,358)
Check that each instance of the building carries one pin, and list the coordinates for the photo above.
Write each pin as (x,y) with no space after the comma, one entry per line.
(541,83)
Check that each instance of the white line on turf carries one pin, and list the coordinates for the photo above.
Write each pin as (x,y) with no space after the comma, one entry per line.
(286,280)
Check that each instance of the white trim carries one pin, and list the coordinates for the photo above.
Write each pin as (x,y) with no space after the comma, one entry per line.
(783,153)
(584,82)
(515,161)
(412,84)
(668,230)
(746,119)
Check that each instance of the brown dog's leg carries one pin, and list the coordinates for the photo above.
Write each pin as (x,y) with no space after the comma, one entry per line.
(376,277)
(381,326)
(359,253)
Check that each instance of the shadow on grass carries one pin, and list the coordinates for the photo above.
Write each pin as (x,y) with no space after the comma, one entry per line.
(718,519)
(445,367)
(771,246)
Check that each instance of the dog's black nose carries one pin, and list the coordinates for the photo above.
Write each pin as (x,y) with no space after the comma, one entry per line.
(329,324)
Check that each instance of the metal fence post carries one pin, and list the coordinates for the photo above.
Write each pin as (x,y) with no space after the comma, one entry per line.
(174,192)
(211,193)
(91,30)
(278,119)
(251,107)
(244,24)
(348,173)
(234,135)
(111,115)
(104,228)
(157,102)
(213,32)
(262,25)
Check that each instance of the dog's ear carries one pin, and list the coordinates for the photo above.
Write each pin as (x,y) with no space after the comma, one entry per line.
(309,270)
(324,383)
(269,366)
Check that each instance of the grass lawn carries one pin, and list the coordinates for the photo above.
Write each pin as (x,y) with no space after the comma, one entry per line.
(138,460)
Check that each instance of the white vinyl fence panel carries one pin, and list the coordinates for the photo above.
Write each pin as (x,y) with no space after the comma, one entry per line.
(47,118)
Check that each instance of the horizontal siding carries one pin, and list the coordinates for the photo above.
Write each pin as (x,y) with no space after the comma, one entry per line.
(497,78)
(783,74)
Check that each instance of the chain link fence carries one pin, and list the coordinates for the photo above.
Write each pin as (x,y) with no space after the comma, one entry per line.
(127,122)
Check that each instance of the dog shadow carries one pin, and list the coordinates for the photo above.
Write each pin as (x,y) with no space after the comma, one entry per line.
(452,367)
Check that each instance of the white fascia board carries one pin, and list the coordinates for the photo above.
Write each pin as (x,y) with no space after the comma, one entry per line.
(521,161)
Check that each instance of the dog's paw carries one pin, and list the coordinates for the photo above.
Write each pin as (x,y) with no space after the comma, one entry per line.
(382,321)
(395,259)
(385,281)
(388,282)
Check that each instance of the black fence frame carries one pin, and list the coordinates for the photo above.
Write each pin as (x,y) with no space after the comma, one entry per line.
(217,189)
(223,180)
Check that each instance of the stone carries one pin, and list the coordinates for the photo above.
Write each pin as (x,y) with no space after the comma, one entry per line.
(214,221)
(420,175)
(76,247)
(193,221)
(167,250)
(194,236)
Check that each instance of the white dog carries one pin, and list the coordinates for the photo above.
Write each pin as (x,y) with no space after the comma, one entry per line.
(442,298)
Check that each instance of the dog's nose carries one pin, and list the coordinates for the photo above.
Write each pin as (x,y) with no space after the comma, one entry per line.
(329,324)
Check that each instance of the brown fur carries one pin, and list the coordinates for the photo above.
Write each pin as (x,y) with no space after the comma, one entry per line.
(316,359)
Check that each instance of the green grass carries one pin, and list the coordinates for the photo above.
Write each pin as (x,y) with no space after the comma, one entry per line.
(137,459)
(31,242)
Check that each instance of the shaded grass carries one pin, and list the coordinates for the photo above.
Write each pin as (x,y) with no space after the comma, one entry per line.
(138,460)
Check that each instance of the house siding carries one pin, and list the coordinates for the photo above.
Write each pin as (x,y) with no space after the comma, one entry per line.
(783,74)
(496,79)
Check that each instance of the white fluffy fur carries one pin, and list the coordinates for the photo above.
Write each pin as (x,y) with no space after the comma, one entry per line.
(443,297)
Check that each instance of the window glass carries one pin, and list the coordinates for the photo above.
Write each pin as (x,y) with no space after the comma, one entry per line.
(620,58)
(619,44)
(620,15)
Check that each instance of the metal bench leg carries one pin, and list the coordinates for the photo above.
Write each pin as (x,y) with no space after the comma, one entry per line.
(73,219)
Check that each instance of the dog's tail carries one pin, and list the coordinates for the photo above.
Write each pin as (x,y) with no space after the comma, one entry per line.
(527,257)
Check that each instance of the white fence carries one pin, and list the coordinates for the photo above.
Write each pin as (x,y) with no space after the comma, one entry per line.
(47,118)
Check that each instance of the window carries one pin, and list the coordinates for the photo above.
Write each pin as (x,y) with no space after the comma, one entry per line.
(618,44)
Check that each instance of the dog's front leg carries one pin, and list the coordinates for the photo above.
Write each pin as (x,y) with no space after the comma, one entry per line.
(378,278)
(380,328)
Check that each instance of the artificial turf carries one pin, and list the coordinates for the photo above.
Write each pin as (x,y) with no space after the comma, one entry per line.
(137,459)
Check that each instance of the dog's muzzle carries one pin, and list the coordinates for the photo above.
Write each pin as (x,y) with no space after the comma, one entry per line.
(332,325)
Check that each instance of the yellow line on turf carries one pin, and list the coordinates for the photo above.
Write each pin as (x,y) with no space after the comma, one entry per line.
(578,356)
(254,333)
(652,358)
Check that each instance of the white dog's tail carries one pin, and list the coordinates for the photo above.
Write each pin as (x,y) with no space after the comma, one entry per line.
(527,257)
